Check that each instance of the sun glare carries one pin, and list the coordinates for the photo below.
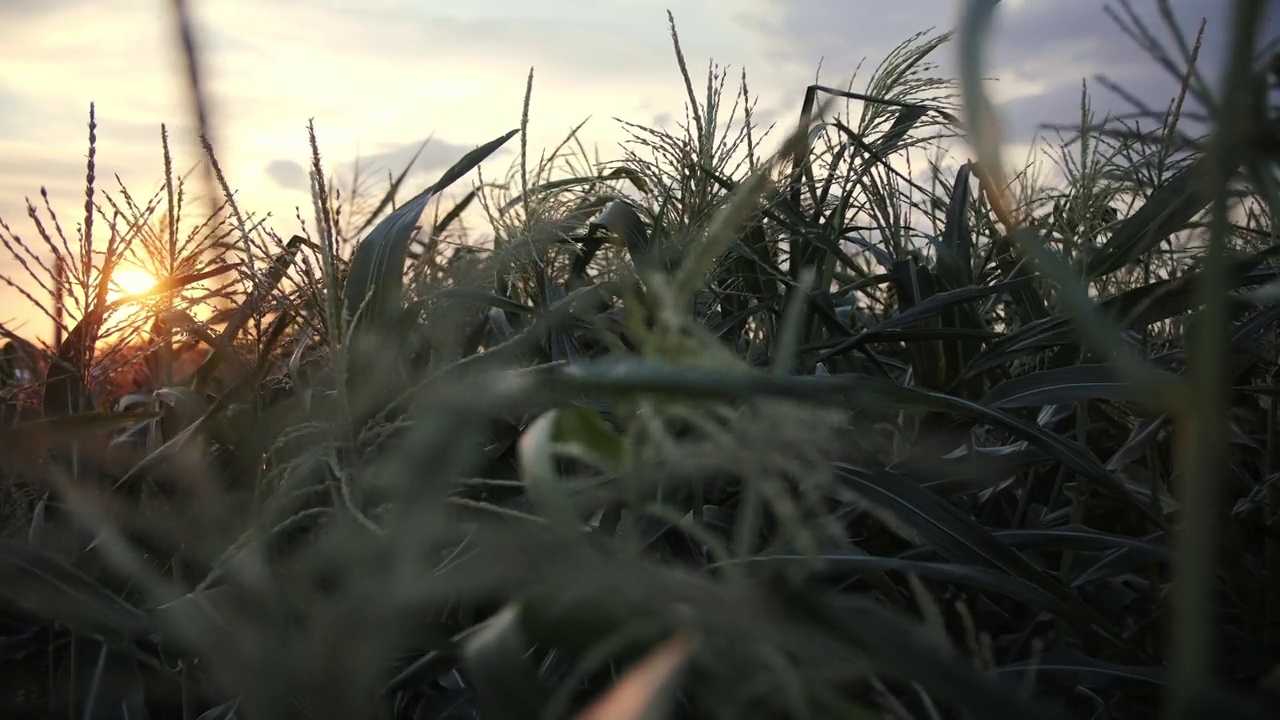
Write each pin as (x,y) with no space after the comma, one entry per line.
(131,281)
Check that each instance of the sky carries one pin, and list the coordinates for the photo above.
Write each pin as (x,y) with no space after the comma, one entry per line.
(381,76)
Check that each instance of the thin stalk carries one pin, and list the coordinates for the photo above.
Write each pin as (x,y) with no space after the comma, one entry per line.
(1204,421)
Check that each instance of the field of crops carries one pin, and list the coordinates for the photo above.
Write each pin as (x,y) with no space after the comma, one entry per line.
(697,431)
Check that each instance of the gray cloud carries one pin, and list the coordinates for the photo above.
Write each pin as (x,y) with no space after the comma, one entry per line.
(12,10)
(436,156)
(1052,43)
(287,174)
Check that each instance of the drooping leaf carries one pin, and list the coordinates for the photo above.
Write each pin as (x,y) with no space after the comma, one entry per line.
(627,229)
(1084,539)
(1136,309)
(572,431)
(552,186)
(1070,668)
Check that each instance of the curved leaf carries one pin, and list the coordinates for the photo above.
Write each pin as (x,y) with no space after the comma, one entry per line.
(955,246)
(225,711)
(1135,309)
(48,586)
(898,646)
(620,172)
(1071,668)
(376,279)
(1165,212)
(1084,539)
(628,230)
(627,376)
(1060,386)
(959,538)
(389,196)
(932,307)
(498,669)
(968,575)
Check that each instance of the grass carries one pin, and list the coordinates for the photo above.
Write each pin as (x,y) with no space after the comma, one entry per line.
(699,431)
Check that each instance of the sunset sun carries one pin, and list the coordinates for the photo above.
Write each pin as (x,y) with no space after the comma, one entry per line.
(130,281)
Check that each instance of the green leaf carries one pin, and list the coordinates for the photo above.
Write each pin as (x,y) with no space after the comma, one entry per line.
(1169,209)
(198,614)
(959,538)
(225,711)
(898,646)
(1070,669)
(840,565)
(1084,539)
(906,119)
(537,450)
(376,278)
(498,668)
(572,431)
(1135,309)
(932,307)
(631,376)
(481,296)
(1061,386)
(955,247)
(637,181)
(389,196)
(583,428)
(51,588)
(627,228)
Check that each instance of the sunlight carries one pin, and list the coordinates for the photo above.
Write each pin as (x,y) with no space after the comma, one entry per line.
(130,280)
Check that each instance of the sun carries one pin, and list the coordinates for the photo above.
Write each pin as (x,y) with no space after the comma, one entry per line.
(130,280)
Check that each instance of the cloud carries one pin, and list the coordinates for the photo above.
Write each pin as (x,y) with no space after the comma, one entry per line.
(287,174)
(431,155)
(17,10)
(427,158)
(1040,50)
(380,75)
